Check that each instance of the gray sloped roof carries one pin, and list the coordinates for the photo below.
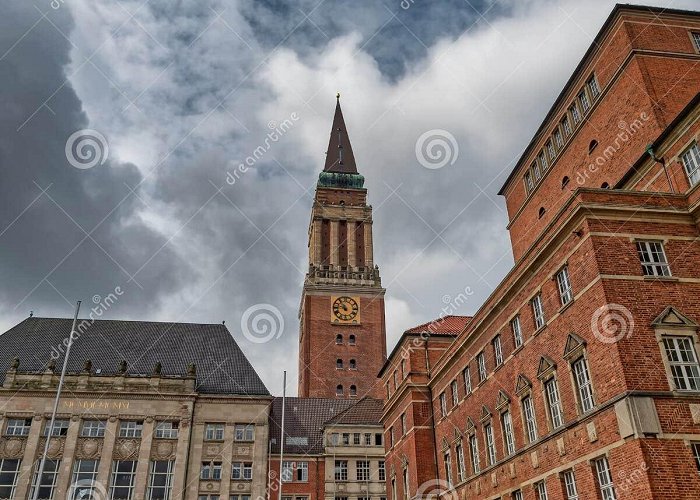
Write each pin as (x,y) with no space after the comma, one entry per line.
(222,368)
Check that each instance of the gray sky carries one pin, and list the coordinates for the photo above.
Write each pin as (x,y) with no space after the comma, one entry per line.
(184,91)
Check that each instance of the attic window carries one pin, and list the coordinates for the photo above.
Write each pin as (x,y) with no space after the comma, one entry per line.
(592,146)
(564,182)
(541,212)
(297,441)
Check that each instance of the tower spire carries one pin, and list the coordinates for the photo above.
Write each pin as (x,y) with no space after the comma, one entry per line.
(339,157)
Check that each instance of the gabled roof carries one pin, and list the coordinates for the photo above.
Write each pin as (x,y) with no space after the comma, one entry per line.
(339,157)
(222,368)
(447,325)
(367,411)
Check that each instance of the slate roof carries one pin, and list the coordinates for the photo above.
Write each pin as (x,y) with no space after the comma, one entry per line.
(448,325)
(339,157)
(222,368)
(367,411)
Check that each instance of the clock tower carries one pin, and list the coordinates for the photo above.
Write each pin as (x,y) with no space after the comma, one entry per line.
(342,342)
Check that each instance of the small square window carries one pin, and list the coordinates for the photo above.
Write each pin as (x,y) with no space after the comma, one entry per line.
(131,429)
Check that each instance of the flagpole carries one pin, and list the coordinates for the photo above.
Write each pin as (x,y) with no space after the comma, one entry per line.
(284,396)
(42,463)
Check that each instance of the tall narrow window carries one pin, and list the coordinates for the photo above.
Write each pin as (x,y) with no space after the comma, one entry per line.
(696,454)
(406,485)
(538,311)
(517,332)
(341,470)
(653,258)
(696,40)
(541,490)
(551,151)
(553,402)
(517,495)
(575,115)
(570,485)
(558,140)
(443,404)
(593,87)
(583,99)
(9,473)
(497,350)
(583,384)
(448,468)
(381,470)
(529,185)
(474,452)
(490,444)
(543,161)
(691,163)
(362,470)
(84,481)
(351,340)
(403,424)
(564,285)
(566,126)
(529,417)
(339,390)
(508,437)
(605,483)
(353,364)
(536,171)
(339,339)
(455,393)
(481,362)
(467,380)
(683,362)
(121,484)
(160,480)
(339,364)
(461,470)
(47,485)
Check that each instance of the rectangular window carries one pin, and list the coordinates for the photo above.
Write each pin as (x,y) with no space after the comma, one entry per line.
(9,473)
(242,471)
(84,480)
(653,258)
(60,428)
(575,115)
(461,470)
(555,414)
(538,311)
(381,470)
(443,404)
(517,495)
(448,468)
(570,485)
(551,150)
(558,139)
(362,470)
(536,171)
(593,87)
(481,363)
(356,438)
(93,428)
(474,452)
(47,485)
(406,487)
(541,490)
(18,426)
(244,432)
(247,497)
(160,480)
(508,437)
(530,420)
(529,185)
(517,332)
(214,432)
(497,350)
(346,438)
(167,430)
(466,375)
(696,40)
(490,444)
(121,484)
(583,99)
(391,437)
(564,285)
(696,454)
(605,483)
(683,361)
(378,439)
(455,393)
(566,126)
(691,163)
(403,424)
(368,439)
(210,470)
(341,470)
(543,161)
(131,429)
(583,384)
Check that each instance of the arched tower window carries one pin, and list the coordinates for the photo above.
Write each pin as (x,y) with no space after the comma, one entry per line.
(351,340)
(353,365)
(339,339)
(353,390)
(339,390)
(339,363)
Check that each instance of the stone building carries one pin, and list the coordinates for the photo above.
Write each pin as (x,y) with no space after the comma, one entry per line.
(149,410)
(578,378)
(333,449)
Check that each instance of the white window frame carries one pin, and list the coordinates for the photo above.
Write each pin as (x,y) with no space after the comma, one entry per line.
(683,364)
(443,404)
(566,126)
(536,171)
(155,477)
(18,426)
(93,428)
(244,432)
(542,159)
(242,471)
(575,114)
(691,163)
(517,331)
(606,488)
(497,350)
(584,385)
(652,256)
(490,444)
(84,480)
(213,432)
(518,495)
(167,429)
(461,470)
(538,311)
(541,490)
(455,393)
(570,485)
(593,87)
(508,436)
(481,363)
(340,471)
(131,428)
(474,452)
(362,470)
(566,294)
(467,376)
(556,414)
(447,457)
(60,428)
(530,418)
(695,449)
(114,483)
(381,470)
(558,139)
(10,466)
(48,478)
(210,471)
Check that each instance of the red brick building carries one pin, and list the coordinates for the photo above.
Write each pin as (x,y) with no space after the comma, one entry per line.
(579,377)
(342,343)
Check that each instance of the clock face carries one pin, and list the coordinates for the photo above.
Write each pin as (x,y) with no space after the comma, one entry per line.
(345,308)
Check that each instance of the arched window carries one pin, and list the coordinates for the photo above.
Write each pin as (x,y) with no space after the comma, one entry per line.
(351,340)
(605,185)
(339,390)
(339,363)
(541,212)
(353,365)
(592,146)
(353,390)
(339,339)
(564,182)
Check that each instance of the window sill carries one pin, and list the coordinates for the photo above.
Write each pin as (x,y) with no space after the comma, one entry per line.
(539,330)
(672,279)
(517,349)
(566,306)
